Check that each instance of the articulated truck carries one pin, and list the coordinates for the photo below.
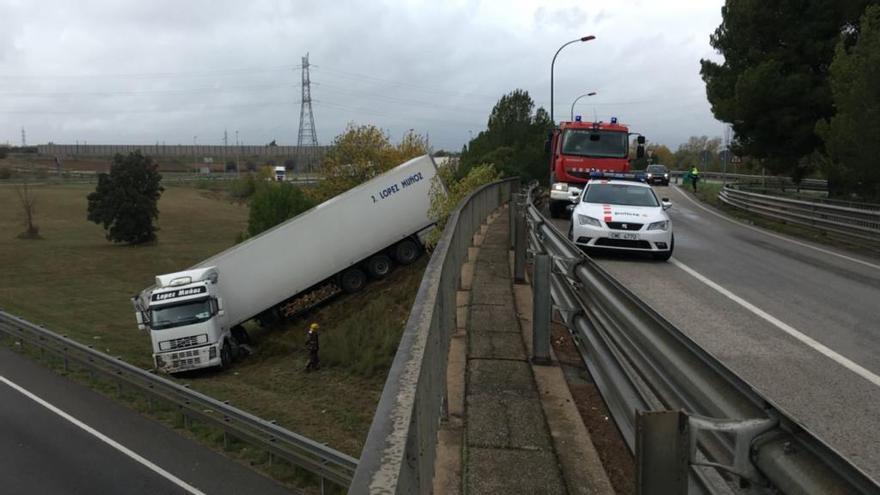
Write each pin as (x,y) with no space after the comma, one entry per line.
(195,316)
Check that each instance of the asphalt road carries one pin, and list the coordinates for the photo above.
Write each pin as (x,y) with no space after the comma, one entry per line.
(798,321)
(57,437)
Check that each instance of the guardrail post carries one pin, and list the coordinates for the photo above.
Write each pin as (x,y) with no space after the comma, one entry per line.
(662,452)
(541,310)
(511,222)
(519,251)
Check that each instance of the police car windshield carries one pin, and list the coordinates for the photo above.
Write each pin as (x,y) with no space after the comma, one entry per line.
(180,314)
(588,142)
(620,194)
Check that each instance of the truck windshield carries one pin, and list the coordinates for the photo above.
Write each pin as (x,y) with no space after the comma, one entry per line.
(180,314)
(620,194)
(588,142)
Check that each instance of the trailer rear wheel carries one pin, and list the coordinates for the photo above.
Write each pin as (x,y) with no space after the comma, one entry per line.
(379,266)
(406,251)
(353,280)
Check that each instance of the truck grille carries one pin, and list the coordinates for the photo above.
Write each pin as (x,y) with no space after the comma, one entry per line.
(183,343)
(620,226)
(185,359)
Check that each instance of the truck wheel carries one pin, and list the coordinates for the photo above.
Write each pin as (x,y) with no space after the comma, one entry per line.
(406,252)
(379,266)
(225,355)
(353,280)
(665,255)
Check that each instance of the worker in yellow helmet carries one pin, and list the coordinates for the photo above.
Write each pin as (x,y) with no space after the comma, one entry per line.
(312,346)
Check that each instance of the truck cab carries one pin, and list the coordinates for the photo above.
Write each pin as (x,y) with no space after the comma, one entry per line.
(580,148)
(186,321)
(280,174)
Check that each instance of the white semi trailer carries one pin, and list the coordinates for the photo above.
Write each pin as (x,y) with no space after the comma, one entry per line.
(194,317)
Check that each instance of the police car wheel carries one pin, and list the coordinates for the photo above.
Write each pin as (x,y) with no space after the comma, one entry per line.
(665,255)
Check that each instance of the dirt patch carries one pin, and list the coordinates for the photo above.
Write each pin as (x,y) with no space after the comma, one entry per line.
(616,458)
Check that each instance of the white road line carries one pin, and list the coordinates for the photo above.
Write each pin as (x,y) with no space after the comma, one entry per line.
(756,229)
(817,346)
(100,436)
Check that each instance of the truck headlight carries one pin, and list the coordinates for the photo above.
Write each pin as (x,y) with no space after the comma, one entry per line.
(160,361)
(661,225)
(560,186)
(650,175)
(585,220)
(665,176)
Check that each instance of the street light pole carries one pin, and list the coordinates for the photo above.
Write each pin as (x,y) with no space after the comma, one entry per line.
(591,93)
(553,64)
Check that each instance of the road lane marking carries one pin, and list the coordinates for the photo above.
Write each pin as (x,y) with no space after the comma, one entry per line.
(803,338)
(100,436)
(765,232)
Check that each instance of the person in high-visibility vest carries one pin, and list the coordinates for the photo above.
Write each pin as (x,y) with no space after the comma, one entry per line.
(695,176)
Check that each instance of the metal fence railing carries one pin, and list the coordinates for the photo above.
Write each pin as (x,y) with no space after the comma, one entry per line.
(314,457)
(398,456)
(844,221)
(714,428)
(765,181)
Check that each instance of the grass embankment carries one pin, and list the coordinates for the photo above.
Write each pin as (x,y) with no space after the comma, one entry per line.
(75,282)
(707,192)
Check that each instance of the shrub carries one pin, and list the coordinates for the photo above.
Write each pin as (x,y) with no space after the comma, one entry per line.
(447,193)
(273,203)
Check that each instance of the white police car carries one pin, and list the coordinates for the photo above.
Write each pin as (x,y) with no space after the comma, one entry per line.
(622,215)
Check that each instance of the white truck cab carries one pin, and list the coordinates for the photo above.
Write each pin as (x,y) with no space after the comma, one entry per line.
(187,324)
(280,174)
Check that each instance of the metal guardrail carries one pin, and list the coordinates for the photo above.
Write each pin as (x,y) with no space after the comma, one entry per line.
(642,363)
(316,458)
(844,221)
(398,456)
(766,181)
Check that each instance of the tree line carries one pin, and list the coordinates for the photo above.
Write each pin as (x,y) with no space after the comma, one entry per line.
(800,85)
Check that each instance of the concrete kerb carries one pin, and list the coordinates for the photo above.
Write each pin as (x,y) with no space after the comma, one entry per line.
(579,461)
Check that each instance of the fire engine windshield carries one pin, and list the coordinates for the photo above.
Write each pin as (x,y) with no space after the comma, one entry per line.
(180,314)
(588,142)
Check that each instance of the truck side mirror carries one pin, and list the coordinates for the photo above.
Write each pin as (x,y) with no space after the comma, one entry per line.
(640,149)
(640,139)
(220,311)
(140,320)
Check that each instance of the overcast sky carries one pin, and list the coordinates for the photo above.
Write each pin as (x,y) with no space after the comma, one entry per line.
(135,72)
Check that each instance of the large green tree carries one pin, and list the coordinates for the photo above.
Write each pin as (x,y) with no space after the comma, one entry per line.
(513,140)
(852,136)
(125,200)
(773,83)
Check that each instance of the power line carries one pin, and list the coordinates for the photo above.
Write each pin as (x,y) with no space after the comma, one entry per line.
(147,75)
(146,92)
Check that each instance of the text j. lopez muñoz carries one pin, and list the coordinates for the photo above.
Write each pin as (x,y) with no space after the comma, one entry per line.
(395,188)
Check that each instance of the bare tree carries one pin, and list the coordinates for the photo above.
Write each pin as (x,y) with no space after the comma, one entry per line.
(28,205)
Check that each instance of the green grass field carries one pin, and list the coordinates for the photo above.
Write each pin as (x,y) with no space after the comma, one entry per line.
(75,282)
